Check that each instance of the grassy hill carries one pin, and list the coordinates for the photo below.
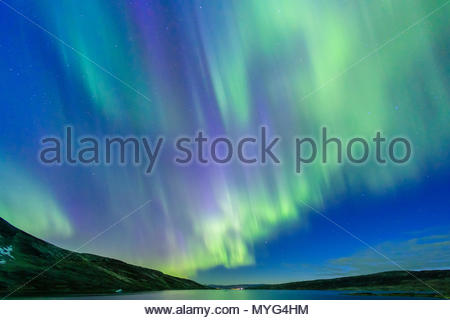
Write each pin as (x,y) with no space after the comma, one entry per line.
(23,256)
(390,282)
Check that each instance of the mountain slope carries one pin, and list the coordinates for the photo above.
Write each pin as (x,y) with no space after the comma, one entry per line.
(390,281)
(23,257)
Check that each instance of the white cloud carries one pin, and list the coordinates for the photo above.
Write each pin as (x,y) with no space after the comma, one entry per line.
(430,252)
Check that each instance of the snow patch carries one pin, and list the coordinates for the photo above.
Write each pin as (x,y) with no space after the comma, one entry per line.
(6,251)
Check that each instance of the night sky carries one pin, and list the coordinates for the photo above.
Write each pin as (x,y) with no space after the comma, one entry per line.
(160,68)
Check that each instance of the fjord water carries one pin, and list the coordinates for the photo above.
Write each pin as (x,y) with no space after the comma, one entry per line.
(246,295)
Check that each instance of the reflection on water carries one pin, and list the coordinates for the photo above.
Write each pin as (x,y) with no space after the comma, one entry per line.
(244,295)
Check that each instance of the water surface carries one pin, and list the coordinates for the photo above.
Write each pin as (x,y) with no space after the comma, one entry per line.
(248,295)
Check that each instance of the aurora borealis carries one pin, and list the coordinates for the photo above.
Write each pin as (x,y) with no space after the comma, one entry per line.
(160,68)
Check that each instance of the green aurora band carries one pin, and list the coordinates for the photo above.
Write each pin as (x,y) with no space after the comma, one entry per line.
(228,67)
